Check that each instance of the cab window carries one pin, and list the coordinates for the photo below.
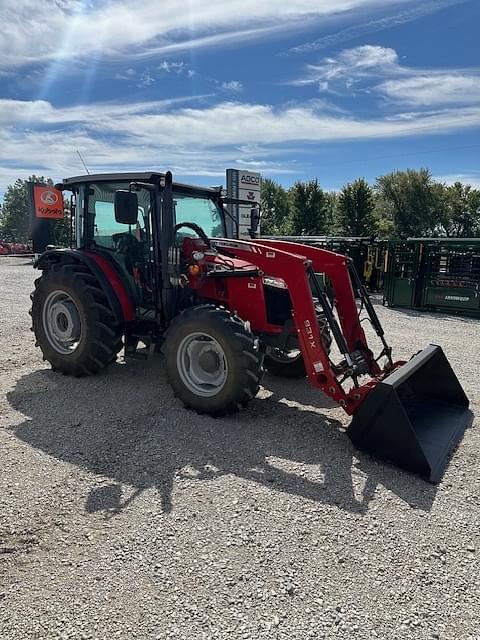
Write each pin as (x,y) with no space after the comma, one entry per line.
(201,211)
(101,208)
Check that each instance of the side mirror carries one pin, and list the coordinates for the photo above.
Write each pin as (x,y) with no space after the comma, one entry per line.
(126,207)
(254,220)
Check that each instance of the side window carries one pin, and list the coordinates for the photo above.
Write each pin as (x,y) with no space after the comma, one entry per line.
(106,225)
(102,210)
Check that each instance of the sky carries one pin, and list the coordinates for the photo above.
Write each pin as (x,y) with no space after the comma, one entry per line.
(295,89)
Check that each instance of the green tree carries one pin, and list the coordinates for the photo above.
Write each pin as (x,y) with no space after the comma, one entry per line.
(355,209)
(458,207)
(275,208)
(61,229)
(331,208)
(308,205)
(409,201)
(384,227)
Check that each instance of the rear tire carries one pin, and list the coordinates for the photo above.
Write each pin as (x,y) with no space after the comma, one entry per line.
(72,321)
(284,364)
(213,363)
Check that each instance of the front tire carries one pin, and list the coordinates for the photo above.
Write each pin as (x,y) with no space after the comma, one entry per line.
(72,321)
(212,361)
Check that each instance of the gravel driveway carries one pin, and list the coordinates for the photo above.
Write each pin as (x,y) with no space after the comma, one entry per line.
(122,515)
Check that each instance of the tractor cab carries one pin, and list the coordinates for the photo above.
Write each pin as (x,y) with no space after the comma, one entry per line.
(130,244)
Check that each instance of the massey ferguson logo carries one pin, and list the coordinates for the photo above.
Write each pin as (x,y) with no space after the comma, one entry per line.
(250,180)
(250,195)
(49,197)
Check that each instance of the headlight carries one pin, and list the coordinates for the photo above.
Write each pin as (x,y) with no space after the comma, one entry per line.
(278,283)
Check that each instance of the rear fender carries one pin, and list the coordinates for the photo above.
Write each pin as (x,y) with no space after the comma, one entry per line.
(119,300)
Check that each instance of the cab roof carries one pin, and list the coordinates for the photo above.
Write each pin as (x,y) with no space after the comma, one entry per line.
(145,176)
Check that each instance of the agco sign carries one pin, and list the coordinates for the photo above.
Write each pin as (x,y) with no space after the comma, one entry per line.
(246,179)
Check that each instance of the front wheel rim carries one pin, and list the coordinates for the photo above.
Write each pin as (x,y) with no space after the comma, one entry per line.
(61,322)
(202,364)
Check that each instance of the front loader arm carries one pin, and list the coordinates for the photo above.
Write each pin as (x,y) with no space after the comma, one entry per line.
(335,266)
(293,269)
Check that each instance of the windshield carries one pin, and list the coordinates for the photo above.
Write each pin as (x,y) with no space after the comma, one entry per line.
(201,211)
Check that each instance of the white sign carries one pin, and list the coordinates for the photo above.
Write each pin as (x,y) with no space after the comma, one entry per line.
(243,185)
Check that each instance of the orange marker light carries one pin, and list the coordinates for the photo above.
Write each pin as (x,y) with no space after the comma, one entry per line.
(194,270)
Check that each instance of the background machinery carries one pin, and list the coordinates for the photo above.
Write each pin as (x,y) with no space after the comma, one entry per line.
(159,264)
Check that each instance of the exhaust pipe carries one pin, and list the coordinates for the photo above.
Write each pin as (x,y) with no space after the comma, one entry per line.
(415,417)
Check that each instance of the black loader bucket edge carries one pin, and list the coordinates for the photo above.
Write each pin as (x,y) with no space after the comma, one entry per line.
(415,417)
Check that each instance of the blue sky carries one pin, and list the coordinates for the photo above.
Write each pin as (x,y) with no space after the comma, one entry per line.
(296,89)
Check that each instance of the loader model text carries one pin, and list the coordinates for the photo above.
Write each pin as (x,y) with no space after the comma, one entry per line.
(309,332)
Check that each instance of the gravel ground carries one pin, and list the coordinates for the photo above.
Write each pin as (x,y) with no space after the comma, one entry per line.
(122,515)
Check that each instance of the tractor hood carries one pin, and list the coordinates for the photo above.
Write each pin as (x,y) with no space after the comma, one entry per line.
(217,258)
(222,263)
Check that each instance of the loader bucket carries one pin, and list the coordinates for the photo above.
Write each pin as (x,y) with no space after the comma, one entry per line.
(415,417)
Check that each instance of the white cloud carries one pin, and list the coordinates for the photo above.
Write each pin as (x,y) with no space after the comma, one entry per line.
(32,31)
(435,89)
(350,66)
(470,177)
(146,79)
(37,137)
(41,114)
(148,76)
(172,67)
(378,24)
(233,86)
(371,68)
(128,74)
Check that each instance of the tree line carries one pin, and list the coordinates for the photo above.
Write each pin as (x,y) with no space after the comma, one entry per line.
(399,205)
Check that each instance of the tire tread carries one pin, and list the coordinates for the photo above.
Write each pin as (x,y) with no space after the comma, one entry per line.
(104,336)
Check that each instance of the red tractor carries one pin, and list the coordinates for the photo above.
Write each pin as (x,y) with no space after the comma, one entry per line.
(159,264)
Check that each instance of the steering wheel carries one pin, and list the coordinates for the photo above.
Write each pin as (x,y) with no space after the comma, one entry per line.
(196,228)
(125,242)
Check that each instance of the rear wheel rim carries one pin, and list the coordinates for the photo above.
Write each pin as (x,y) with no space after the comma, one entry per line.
(202,364)
(61,322)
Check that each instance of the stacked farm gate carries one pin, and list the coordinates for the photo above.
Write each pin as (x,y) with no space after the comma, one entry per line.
(367,254)
(438,274)
(434,274)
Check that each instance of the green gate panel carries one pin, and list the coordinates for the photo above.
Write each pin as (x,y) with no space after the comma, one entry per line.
(403,292)
(452,276)
(401,277)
